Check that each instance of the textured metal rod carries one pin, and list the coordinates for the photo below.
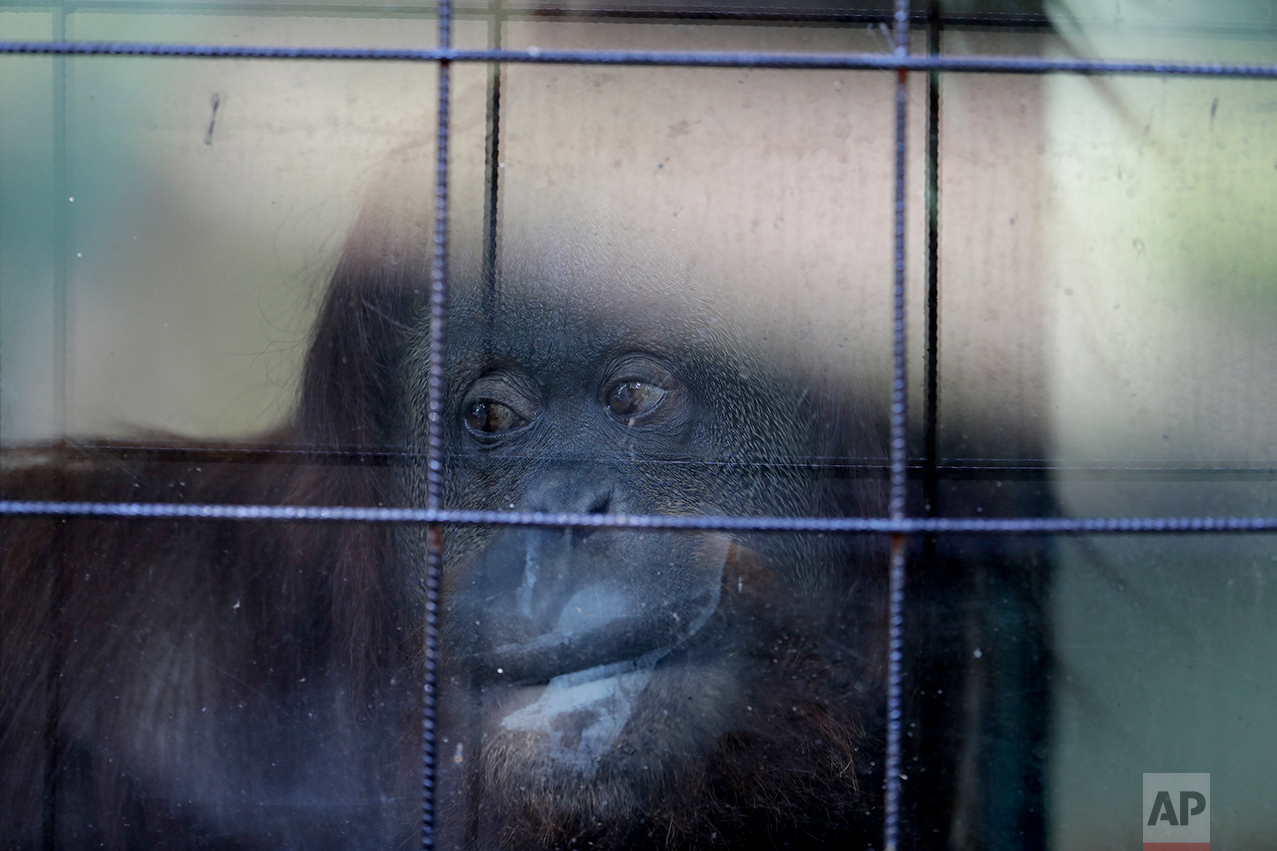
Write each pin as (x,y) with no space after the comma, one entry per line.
(830,525)
(714,59)
(434,439)
(899,458)
(899,365)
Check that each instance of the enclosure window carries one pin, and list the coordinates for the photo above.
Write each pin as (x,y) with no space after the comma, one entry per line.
(636,425)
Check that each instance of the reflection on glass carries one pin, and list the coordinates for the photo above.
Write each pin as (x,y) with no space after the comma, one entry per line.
(670,297)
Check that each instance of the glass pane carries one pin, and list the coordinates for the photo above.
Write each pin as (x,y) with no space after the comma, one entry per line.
(670,296)
(1164,648)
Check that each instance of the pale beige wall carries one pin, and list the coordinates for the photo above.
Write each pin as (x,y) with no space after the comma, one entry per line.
(773,187)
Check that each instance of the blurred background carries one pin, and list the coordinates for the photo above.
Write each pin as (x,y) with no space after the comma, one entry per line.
(1107,270)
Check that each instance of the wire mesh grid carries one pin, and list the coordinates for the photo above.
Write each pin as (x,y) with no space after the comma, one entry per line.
(898,524)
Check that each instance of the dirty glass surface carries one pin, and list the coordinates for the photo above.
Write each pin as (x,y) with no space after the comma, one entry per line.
(670,296)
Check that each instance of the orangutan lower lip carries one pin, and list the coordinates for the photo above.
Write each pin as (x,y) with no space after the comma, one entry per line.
(618,642)
(557,654)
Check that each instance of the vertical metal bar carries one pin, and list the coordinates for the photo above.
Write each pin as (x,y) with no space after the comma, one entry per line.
(931,364)
(434,438)
(492,195)
(899,429)
(899,390)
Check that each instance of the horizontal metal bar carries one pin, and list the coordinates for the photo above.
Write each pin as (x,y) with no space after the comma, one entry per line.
(707,59)
(706,14)
(853,525)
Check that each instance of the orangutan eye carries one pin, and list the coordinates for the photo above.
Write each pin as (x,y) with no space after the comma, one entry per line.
(630,400)
(486,416)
